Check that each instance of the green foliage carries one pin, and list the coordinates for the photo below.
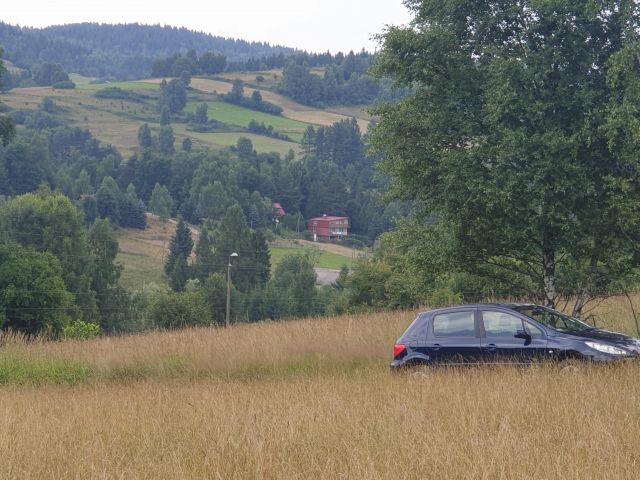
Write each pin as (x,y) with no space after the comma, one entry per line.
(201,114)
(232,235)
(33,297)
(214,290)
(173,95)
(295,279)
(166,140)
(144,136)
(180,246)
(523,167)
(27,162)
(64,85)
(49,222)
(179,274)
(161,202)
(255,102)
(179,310)
(49,74)
(205,256)
(36,371)
(344,82)
(79,330)
(107,200)
(7,130)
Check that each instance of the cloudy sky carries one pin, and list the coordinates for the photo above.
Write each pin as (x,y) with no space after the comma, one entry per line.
(314,25)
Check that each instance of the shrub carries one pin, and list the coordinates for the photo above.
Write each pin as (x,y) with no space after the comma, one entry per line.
(64,85)
(178,310)
(80,330)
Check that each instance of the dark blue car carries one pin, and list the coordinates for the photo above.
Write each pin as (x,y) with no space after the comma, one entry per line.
(499,333)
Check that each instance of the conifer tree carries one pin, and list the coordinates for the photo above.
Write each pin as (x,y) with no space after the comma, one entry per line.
(204,254)
(181,244)
(179,274)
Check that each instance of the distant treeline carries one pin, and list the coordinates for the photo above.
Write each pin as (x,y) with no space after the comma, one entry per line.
(119,51)
(340,79)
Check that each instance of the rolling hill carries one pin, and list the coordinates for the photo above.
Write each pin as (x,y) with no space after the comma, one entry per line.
(116,122)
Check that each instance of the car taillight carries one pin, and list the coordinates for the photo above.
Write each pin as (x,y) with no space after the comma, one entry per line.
(398,349)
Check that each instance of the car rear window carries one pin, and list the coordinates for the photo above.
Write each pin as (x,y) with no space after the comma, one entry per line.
(454,324)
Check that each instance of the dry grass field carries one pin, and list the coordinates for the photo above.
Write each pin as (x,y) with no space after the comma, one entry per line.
(307,399)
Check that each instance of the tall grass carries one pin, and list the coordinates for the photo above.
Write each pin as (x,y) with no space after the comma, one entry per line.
(311,399)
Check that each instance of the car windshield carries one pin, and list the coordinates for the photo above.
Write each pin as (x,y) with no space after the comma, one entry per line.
(551,318)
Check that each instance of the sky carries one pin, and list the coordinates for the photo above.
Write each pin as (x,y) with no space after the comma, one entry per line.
(312,25)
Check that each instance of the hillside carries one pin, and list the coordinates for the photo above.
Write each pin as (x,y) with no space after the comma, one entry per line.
(116,121)
(124,51)
(143,253)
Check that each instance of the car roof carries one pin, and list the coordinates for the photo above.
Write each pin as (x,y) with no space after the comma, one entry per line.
(509,306)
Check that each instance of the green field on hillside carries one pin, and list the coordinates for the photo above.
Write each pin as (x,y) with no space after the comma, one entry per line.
(240,116)
(325,259)
(122,85)
(140,270)
(227,139)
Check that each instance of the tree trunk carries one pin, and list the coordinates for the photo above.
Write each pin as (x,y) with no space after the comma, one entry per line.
(583,298)
(548,276)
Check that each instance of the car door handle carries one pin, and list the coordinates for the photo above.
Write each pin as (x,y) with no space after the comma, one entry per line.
(435,346)
(491,347)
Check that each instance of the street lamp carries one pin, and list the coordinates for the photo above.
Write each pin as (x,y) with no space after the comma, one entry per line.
(233,255)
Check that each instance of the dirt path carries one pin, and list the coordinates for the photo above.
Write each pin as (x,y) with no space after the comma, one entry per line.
(326,276)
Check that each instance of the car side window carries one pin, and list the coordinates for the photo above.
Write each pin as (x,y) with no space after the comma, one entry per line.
(532,330)
(454,324)
(501,324)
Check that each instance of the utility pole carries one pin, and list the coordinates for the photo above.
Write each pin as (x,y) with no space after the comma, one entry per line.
(226,322)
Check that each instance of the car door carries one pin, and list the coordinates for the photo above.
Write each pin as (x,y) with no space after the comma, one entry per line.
(506,337)
(454,337)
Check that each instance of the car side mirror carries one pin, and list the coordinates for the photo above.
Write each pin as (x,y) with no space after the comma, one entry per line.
(522,334)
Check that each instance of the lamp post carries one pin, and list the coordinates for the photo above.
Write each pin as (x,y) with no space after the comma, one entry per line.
(233,255)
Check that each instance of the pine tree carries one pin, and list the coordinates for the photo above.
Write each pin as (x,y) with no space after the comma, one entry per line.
(179,274)
(261,256)
(166,140)
(144,136)
(181,244)
(165,115)
(204,254)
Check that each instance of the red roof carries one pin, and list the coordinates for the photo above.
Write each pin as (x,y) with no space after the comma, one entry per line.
(278,208)
(328,218)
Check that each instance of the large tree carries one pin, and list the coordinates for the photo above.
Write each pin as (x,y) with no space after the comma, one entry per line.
(519,136)
(49,222)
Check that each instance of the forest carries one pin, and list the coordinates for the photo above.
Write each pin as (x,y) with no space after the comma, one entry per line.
(118,51)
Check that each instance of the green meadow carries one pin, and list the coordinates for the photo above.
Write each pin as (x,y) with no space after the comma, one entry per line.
(324,259)
(240,116)
(122,85)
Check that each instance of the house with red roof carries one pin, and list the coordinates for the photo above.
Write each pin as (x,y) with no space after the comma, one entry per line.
(278,211)
(328,227)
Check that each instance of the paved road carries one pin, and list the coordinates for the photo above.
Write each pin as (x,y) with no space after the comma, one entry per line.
(326,276)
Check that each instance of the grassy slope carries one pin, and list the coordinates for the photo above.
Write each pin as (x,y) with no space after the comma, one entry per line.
(142,253)
(291,109)
(308,399)
(325,259)
(240,116)
(116,122)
